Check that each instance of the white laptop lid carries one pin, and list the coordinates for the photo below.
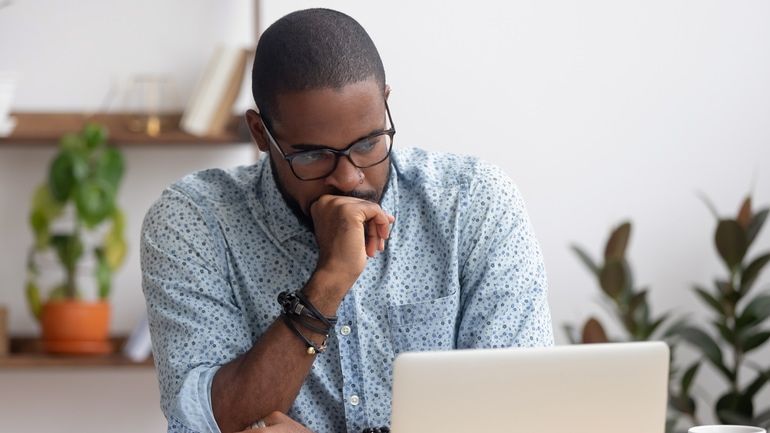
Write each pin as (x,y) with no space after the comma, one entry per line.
(595,388)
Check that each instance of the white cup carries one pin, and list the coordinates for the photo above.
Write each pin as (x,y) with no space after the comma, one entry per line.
(725,429)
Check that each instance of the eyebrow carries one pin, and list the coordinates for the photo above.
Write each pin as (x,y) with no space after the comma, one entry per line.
(307,146)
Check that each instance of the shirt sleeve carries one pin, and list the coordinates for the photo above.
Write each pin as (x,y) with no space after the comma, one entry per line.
(195,323)
(504,288)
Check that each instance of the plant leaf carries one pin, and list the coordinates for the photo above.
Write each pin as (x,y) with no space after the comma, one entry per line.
(616,245)
(707,346)
(103,274)
(32,292)
(709,300)
(683,404)
(756,225)
(569,331)
(110,167)
(72,142)
(744,214)
(655,325)
(114,242)
(65,171)
(756,385)
(752,271)
(675,328)
(753,341)
(586,259)
(755,312)
(763,419)
(593,332)
(612,278)
(708,204)
(94,200)
(94,135)
(726,333)
(688,376)
(735,408)
(638,299)
(731,243)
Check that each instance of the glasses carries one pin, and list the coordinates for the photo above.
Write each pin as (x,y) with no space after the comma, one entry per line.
(319,163)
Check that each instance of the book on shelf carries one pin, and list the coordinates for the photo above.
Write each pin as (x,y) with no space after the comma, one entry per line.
(211,104)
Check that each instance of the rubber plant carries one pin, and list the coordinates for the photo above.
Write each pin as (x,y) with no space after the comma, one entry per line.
(737,328)
(80,191)
(629,306)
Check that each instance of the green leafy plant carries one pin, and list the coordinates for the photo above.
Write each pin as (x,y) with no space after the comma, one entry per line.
(629,306)
(625,302)
(736,328)
(84,176)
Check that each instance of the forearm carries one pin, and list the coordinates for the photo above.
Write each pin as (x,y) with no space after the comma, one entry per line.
(269,376)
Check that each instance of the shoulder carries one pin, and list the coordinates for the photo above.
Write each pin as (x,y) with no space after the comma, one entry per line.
(202,195)
(418,168)
(218,185)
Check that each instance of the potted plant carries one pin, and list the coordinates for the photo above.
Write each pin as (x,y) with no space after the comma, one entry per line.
(736,331)
(632,312)
(77,224)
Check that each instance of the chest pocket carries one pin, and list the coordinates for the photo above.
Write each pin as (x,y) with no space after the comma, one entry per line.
(424,326)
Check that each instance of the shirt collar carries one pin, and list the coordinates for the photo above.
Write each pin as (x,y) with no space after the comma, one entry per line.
(269,207)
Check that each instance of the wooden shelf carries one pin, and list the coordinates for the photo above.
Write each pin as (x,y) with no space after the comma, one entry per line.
(27,352)
(48,128)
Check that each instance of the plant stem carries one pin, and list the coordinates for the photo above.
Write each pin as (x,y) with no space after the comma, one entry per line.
(71,288)
(731,322)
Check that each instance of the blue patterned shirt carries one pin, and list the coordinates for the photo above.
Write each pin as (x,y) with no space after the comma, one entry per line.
(462,269)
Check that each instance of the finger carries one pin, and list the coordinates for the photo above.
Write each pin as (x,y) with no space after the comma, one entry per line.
(373,211)
(383,230)
(382,244)
(372,239)
(275,417)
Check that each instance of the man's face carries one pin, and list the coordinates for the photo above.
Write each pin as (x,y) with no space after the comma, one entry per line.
(331,118)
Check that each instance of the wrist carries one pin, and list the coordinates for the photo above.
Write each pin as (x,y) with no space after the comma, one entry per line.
(326,289)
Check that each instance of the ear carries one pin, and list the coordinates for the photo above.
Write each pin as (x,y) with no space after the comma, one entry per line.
(257,129)
(387,91)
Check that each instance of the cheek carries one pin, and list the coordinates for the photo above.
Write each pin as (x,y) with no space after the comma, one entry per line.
(304,192)
(377,176)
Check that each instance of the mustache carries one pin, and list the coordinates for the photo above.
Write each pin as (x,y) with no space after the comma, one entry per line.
(362,195)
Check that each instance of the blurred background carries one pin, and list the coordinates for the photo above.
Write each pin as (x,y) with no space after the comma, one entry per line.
(600,110)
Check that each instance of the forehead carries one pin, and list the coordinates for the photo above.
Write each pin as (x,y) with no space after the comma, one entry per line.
(330,116)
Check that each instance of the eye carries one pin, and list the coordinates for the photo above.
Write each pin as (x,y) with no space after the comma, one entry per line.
(312,157)
(366,145)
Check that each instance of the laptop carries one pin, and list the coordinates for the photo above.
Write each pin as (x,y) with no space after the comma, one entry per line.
(592,388)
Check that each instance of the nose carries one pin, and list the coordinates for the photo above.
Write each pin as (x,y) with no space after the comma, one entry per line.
(346,176)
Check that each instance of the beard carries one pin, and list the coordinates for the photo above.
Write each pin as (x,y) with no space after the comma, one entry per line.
(304,218)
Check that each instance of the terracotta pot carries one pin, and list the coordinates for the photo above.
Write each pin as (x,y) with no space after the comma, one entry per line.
(76,327)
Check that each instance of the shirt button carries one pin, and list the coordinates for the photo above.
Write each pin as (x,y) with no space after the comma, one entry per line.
(345,330)
(354,400)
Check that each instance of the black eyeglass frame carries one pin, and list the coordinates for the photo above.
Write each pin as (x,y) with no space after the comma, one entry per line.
(337,153)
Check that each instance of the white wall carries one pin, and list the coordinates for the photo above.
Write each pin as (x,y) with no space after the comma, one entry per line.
(599,110)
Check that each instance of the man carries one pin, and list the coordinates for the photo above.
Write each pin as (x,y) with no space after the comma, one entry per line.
(409,250)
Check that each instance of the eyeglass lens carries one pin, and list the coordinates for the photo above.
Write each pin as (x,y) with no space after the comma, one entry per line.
(320,163)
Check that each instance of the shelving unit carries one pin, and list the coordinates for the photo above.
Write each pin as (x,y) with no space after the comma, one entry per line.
(27,353)
(47,128)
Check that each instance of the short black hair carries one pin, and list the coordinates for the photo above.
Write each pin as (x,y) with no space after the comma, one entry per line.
(312,49)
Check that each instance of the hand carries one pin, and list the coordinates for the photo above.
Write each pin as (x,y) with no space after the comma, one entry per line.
(348,230)
(278,422)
